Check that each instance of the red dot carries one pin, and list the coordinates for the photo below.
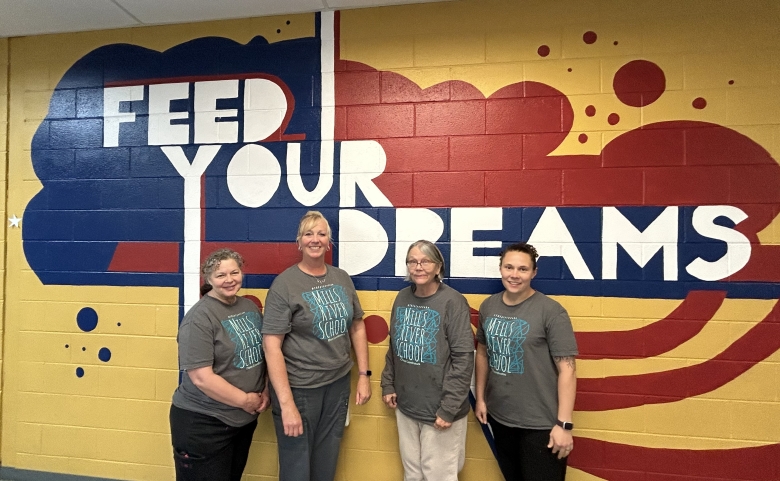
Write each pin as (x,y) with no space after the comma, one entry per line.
(256,301)
(699,103)
(543,51)
(583,138)
(613,119)
(615,42)
(590,110)
(568,69)
(376,329)
(731,82)
(639,83)
(589,37)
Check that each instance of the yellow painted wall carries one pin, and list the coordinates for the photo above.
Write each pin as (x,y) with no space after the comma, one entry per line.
(113,423)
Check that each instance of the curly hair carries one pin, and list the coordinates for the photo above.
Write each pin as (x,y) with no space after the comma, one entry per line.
(521,247)
(211,263)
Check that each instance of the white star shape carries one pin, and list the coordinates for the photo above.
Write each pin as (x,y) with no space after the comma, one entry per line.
(14,221)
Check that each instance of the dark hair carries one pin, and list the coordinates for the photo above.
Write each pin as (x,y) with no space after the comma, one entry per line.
(212,262)
(521,247)
(431,251)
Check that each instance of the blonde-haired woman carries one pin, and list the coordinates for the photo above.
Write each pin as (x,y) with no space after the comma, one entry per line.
(312,320)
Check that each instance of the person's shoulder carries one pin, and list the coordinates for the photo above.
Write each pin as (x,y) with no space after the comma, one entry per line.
(452,293)
(246,304)
(548,302)
(285,276)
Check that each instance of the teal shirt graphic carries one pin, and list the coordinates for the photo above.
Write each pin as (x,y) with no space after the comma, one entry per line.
(332,311)
(244,331)
(504,338)
(414,338)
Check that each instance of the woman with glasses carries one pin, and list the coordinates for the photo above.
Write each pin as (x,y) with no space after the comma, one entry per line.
(526,377)
(428,369)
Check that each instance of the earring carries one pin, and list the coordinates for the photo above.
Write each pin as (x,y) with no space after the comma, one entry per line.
(299,247)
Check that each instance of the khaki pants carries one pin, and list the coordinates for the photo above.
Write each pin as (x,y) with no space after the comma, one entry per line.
(429,454)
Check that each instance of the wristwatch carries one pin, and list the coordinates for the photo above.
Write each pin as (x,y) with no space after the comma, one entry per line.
(565,425)
(365,373)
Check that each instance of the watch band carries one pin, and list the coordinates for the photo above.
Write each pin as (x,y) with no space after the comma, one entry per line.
(565,425)
(364,373)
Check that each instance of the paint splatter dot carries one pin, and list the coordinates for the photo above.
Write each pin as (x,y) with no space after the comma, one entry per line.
(543,51)
(731,82)
(639,83)
(104,354)
(87,319)
(79,372)
(118,323)
(288,22)
(376,329)
(83,348)
(278,30)
(67,346)
(589,37)
(256,301)
(699,103)
(615,42)
(583,138)
(590,110)
(568,69)
(613,119)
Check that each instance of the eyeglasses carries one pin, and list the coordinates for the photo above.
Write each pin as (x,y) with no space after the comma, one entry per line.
(425,263)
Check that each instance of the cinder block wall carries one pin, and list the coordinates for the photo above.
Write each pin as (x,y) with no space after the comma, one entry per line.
(477,105)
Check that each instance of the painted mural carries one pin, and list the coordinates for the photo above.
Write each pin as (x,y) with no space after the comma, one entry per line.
(656,230)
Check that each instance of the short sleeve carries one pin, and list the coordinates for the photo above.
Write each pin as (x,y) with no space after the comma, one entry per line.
(278,315)
(560,335)
(196,342)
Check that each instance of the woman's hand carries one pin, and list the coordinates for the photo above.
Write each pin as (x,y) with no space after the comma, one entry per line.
(363,393)
(441,424)
(390,400)
(252,402)
(561,442)
(480,411)
(265,401)
(292,422)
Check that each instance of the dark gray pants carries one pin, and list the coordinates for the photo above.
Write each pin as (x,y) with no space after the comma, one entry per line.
(313,455)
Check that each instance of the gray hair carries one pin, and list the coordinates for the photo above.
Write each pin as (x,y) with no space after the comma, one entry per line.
(432,252)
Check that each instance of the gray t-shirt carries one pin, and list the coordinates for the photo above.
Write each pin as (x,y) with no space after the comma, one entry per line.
(521,341)
(227,338)
(431,356)
(314,314)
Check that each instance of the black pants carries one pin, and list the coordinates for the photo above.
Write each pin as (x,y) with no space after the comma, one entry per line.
(523,454)
(206,449)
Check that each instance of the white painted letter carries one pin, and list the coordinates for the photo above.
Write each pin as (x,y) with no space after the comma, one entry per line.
(264,108)
(552,239)
(738,246)
(112,117)
(465,220)
(361,162)
(161,131)
(641,246)
(253,175)
(295,183)
(207,129)
(412,225)
(362,241)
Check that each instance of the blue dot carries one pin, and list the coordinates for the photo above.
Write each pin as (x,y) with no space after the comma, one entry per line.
(104,354)
(80,372)
(87,319)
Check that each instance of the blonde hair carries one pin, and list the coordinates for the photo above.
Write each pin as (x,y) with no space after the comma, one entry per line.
(308,221)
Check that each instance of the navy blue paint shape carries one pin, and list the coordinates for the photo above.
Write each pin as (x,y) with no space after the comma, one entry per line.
(79,372)
(87,319)
(104,354)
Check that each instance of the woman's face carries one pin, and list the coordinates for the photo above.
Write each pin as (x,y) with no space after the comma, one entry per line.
(422,269)
(516,272)
(314,242)
(226,280)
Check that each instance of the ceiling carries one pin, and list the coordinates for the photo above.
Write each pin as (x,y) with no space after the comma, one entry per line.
(33,17)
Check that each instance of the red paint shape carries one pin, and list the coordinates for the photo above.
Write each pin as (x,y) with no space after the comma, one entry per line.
(613,119)
(380,121)
(615,42)
(639,83)
(623,462)
(397,187)
(543,50)
(589,37)
(686,185)
(646,148)
(568,69)
(485,152)
(699,103)
(620,186)
(376,329)
(145,257)
(753,184)
(397,88)
(528,115)
(590,110)
(521,188)
(432,189)
(256,301)
(662,336)
(451,118)
(582,138)
(620,392)
(261,258)
(406,153)
(354,88)
(731,82)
